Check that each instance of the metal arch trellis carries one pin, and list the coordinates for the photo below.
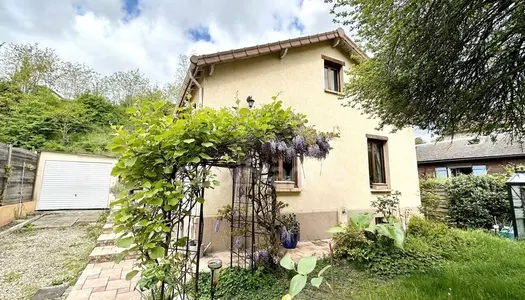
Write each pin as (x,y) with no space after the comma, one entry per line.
(254,215)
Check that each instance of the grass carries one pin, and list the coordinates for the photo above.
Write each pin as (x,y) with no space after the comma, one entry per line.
(485,268)
(492,268)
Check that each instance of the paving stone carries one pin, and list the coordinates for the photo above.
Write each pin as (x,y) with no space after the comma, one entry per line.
(135,295)
(90,283)
(80,294)
(107,295)
(118,284)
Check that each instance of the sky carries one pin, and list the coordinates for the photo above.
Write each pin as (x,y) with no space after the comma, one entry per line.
(120,35)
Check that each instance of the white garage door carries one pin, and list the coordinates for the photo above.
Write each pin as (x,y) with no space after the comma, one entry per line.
(75,185)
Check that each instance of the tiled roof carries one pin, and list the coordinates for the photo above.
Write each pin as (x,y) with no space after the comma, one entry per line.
(197,62)
(465,148)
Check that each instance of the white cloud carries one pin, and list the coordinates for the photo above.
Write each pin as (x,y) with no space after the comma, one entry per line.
(93,31)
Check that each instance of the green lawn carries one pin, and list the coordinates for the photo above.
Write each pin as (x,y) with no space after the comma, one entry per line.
(492,268)
(489,268)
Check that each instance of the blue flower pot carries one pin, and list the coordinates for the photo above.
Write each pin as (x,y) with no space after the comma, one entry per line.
(291,242)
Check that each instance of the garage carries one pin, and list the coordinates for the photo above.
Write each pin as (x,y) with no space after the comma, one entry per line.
(72,181)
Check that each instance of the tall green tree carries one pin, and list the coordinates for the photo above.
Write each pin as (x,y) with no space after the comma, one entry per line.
(447,66)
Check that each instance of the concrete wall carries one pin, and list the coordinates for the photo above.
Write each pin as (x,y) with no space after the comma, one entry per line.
(44,156)
(9,213)
(340,183)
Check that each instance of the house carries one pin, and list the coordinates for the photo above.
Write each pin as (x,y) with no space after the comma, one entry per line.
(308,74)
(467,155)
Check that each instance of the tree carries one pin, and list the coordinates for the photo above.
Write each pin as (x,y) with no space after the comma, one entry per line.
(28,66)
(74,79)
(419,141)
(445,66)
(124,87)
(69,117)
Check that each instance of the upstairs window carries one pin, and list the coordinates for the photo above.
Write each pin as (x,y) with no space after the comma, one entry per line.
(332,74)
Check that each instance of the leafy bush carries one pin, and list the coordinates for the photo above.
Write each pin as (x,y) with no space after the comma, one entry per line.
(474,201)
(435,237)
(427,244)
(238,284)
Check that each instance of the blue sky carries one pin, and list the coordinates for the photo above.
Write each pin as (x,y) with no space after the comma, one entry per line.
(117,35)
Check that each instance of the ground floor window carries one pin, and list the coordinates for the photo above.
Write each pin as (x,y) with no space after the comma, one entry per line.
(286,171)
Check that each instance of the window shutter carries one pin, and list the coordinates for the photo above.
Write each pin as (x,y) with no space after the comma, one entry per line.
(479,170)
(441,173)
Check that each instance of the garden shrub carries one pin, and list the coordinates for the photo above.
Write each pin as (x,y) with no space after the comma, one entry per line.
(379,255)
(427,245)
(435,237)
(238,283)
(474,201)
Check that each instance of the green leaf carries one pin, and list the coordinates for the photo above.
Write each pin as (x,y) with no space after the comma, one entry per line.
(129,162)
(287,297)
(316,281)
(131,274)
(394,232)
(207,144)
(173,201)
(335,229)
(120,256)
(195,159)
(306,265)
(360,221)
(124,242)
(155,201)
(323,270)
(131,110)
(144,222)
(297,284)
(205,156)
(200,200)
(119,149)
(179,153)
(118,201)
(146,184)
(149,173)
(287,262)
(189,141)
(156,252)
(181,242)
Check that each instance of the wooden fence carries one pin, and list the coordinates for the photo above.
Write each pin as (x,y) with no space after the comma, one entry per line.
(17,174)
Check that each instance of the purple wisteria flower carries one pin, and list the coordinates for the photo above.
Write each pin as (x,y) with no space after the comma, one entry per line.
(299,143)
(290,154)
(281,147)
(237,242)
(218,224)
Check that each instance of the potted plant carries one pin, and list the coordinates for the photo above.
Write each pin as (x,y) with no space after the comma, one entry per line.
(289,231)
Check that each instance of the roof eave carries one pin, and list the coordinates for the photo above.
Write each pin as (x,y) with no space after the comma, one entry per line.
(197,62)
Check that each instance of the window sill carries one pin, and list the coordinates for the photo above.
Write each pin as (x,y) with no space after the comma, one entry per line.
(380,191)
(334,92)
(286,187)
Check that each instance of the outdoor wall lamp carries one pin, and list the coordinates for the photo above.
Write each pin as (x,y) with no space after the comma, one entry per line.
(215,267)
(250,101)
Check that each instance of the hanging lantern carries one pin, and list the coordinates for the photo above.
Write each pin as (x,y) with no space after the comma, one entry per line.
(516,189)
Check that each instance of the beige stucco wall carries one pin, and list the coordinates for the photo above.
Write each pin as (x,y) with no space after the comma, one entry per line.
(44,156)
(340,183)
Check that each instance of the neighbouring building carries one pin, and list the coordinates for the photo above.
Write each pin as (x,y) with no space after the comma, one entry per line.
(469,155)
(308,74)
